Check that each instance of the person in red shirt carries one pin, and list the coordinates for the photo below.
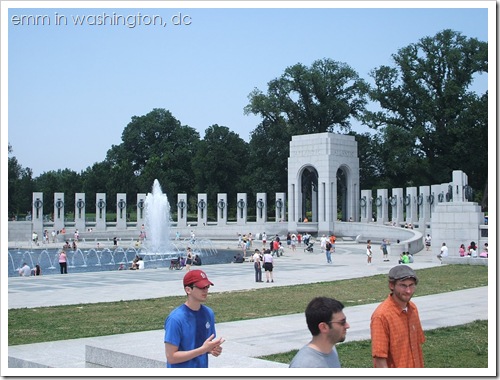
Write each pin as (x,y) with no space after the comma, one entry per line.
(396,332)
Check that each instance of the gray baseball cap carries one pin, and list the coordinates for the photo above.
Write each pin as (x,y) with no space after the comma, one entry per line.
(402,272)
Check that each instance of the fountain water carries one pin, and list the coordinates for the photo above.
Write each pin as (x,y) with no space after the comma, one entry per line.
(157,221)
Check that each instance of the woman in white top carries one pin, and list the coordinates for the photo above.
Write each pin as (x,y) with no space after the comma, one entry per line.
(268,265)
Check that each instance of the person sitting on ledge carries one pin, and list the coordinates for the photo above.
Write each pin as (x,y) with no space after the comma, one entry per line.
(135,264)
(197,260)
(238,258)
(484,252)
(25,270)
(140,264)
(404,259)
(37,270)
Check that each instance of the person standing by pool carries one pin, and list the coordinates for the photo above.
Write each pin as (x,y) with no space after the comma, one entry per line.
(189,259)
(63,262)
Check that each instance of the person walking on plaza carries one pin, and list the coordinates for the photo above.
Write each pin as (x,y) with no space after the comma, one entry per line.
(328,251)
(294,242)
(63,262)
(396,332)
(190,328)
(328,325)
(443,252)
(257,264)
(268,265)
(427,241)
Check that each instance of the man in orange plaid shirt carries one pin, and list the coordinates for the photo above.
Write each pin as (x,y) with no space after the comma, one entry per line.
(396,332)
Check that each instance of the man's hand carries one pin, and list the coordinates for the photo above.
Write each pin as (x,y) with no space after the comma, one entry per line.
(213,346)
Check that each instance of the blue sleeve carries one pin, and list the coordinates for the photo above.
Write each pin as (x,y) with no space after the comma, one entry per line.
(173,330)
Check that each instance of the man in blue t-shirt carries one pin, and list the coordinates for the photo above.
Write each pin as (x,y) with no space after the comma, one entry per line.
(190,328)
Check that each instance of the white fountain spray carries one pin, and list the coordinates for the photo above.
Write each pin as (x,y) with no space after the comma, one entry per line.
(157,220)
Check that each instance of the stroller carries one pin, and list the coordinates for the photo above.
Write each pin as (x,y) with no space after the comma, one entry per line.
(175,263)
(309,247)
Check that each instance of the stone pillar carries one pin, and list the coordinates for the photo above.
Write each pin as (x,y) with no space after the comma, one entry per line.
(241,209)
(396,202)
(382,204)
(100,212)
(261,208)
(459,182)
(37,214)
(202,208)
(141,207)
(280,207)
(80,211)
(221,209)
(182,210)
(442,191)
(424,207)
(58,211)
(433,197)
(314,204)
(411,205)
(121,211)
(365,203)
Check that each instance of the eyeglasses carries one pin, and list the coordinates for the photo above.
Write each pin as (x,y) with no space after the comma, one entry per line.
(343,323)
(404,286)
(204,288)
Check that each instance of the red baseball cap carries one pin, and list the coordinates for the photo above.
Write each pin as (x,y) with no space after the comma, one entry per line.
(196,277)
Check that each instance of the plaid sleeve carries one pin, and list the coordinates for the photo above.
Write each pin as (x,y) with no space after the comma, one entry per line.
(380,337)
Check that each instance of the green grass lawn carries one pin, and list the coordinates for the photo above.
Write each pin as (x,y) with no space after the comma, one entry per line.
(464,346)
(45,324)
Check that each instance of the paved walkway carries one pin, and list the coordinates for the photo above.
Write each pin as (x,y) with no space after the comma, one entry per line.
(245,340)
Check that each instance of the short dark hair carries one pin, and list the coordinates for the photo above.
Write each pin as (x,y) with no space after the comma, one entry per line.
(320,309)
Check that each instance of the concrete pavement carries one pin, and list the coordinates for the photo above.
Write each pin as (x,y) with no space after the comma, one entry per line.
(245,340)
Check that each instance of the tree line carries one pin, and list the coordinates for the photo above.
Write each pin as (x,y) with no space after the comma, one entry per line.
(424,116)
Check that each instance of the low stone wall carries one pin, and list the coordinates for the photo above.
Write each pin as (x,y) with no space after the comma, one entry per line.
(410,240)
(465,260)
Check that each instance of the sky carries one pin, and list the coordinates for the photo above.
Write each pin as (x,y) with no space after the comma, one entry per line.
(73,86)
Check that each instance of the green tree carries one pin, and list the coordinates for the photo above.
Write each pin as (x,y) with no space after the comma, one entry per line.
(154,146)
(268,158)
(370,164)
(430,120)
(95,180)
(20,187)
(61,181)
(220,163)
(322,98)
(318,99)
